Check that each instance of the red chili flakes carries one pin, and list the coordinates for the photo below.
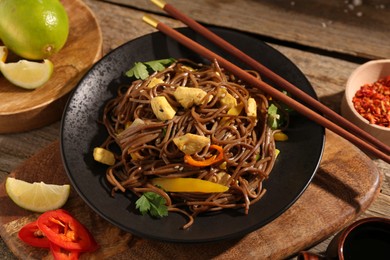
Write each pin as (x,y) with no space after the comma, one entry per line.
(372,101)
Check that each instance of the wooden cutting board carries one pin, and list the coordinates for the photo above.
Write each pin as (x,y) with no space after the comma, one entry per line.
(344,186)
(23,110)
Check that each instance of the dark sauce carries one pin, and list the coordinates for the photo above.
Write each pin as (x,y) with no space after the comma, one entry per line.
(369,241)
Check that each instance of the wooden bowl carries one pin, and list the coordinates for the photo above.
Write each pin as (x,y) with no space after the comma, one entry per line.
(23,110)
(368,72)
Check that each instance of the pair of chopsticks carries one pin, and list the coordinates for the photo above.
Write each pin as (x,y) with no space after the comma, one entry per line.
(339,125)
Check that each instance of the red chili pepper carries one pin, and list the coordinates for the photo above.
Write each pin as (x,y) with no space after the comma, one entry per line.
(60,253)
(372,101)
(32,235)
(65,231)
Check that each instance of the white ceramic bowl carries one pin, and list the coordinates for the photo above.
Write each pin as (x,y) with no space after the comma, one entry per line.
(368,72)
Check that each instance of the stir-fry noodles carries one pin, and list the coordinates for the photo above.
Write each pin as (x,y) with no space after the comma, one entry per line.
(190,121)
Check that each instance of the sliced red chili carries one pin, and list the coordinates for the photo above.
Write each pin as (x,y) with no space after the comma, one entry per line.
(65,231)
(30,234)
(60,253)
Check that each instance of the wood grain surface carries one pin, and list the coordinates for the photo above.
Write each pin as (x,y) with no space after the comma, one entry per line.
(337,195)
(356,28)
(326,70)
(23,110)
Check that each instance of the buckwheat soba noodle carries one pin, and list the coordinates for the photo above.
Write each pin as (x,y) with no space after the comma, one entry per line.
(191,121)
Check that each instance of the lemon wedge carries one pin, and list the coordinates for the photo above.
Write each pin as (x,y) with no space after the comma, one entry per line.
(37,196)
(3,53)
(27,74)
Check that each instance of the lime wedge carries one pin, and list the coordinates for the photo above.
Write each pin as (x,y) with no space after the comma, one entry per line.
(37,196)
(3,53)
(27,74)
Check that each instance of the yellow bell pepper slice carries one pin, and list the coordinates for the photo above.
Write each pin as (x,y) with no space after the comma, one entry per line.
(280,136)
(189,185)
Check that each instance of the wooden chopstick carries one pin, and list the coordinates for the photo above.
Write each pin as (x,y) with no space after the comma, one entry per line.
(264,71)
(305,111)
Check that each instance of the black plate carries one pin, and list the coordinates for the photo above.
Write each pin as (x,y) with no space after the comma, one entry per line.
(295,167)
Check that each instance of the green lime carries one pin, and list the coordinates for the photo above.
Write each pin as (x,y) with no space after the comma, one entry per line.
(33,29)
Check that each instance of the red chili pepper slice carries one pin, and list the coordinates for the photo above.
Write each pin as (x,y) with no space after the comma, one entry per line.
(60,253)
(65,231)
(30,234)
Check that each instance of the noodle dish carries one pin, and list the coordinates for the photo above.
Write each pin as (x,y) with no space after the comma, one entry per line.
(169,146)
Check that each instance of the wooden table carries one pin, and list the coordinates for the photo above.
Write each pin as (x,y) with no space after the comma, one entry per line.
(327,40)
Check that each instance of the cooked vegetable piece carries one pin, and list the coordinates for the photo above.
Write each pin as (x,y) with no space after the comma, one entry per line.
(103,156)
(188,97)
(214,159)
(280,136)
(223,165)
(187,68)
(188,185)
(154,81)
(273,117)
(191,143)
(236,110)
(135,123)
(252,107)
(221,178)
(162,109)
(225,98)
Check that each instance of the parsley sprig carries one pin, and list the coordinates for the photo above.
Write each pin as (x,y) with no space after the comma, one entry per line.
(152,203)
(141,70)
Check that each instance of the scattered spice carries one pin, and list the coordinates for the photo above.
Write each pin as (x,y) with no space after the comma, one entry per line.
(372,101)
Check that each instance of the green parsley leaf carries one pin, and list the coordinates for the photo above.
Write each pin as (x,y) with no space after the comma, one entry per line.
(159,65)
(152,203)
(143,205)
(141,70)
